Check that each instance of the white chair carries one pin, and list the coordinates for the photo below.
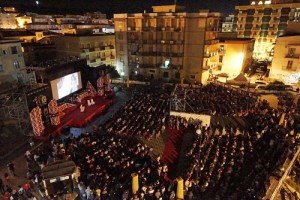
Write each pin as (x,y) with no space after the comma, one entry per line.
(89,102)
(92,102)
(82,108)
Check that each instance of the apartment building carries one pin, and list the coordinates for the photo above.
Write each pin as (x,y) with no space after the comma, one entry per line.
(227,24)
(97,49)
(168,43)
(265,20)
(7,21)
(286,63)
(12,67)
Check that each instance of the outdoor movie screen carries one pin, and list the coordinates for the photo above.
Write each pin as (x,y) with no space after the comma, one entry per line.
(66,85)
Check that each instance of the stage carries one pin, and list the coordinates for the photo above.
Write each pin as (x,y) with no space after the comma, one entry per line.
(72,117)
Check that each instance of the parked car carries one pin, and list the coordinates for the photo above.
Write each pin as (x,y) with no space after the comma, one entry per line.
(260,87)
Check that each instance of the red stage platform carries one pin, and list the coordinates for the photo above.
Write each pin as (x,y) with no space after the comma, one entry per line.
(74,118)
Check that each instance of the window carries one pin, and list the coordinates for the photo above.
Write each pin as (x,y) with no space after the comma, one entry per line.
(220,58)
(221,48)
(16,64)
(177,75)
(20,78)
(289,64)
(292,51)
(152,71)
(192,76)
(1,68)
(14,50)
(120,36)
(121,47)
(166,74)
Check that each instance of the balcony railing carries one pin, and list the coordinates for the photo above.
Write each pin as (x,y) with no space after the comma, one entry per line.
(256,28)
(294,56)
(287,68)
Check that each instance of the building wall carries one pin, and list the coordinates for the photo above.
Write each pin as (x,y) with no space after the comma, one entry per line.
(237,55)
(97,49)
(12,67)
(7,21)
(286,63)
(22,20)
(265,23)
(164,45)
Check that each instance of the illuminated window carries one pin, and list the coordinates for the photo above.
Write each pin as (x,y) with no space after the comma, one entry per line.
(253,3)
(260,3)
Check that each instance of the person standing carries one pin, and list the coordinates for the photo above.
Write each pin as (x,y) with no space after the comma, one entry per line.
(11,169)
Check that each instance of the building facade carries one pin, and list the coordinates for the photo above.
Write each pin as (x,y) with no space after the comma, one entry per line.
(12,67)
(165,44)
(265,20)
(286,63)
(96,49)
(7,21)
(235,55)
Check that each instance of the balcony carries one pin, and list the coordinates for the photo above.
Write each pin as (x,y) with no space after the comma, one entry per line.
(130,28)
(176,54)
(273,29)
(178,41)
(287,68)
(275,14)
(222,52)
(103,48)
(146,29)
(211,42)
(258,15)
(292,56)
(274,21)
(255,29)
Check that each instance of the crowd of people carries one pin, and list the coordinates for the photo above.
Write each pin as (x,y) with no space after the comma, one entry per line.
(143,115)
(218,100)
(221,162)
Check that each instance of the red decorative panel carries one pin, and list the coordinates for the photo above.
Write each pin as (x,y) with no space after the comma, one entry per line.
(36,121)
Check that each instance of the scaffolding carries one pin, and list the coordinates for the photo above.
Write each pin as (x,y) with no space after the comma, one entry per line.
(178,101)
(14,108)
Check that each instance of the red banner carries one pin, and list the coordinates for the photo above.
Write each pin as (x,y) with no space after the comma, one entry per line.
(53,111)
(36,121)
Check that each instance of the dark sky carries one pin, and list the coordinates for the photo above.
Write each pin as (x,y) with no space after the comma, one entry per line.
(117,6)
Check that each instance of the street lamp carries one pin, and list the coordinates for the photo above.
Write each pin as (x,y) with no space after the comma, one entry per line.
(198,131)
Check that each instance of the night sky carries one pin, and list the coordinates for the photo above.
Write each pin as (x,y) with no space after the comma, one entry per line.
(117,6)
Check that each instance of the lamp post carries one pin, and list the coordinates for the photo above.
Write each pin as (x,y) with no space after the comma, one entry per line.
(198,131)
